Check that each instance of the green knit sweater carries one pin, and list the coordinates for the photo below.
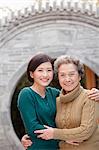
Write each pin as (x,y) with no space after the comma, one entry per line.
(36,112)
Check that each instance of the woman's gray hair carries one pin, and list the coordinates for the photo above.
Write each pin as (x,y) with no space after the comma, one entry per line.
(65,59)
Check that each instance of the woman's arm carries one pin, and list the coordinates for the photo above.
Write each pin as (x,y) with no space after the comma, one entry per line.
(26,107)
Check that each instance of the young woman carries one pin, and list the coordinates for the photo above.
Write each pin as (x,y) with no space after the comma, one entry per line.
(37,104)
(77,115)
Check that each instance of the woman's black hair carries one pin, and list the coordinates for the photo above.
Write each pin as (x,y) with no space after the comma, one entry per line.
(36,61)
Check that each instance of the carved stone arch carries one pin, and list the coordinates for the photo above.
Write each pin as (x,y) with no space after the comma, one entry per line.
(43,21)
(55,31)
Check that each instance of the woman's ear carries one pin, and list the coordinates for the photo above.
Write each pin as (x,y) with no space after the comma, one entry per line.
(31,74)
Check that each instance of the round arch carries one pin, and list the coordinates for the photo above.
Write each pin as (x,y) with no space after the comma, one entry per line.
(55,32)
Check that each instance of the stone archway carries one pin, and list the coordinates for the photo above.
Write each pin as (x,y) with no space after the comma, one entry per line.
(55,31)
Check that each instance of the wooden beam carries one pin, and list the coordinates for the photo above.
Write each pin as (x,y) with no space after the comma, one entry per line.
(90,78)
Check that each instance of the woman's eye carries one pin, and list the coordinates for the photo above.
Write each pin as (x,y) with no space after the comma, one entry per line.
(71,74)
(40,70)
(49,70)
(62,75)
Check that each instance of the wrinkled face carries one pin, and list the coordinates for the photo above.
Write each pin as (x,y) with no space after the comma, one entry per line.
(43,74)
(68,76)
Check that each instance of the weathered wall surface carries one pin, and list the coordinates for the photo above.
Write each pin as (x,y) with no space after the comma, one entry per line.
(55,31)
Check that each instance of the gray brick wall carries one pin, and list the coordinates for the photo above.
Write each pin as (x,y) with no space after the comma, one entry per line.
(55,31)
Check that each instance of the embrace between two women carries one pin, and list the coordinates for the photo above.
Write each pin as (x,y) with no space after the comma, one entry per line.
(54,119)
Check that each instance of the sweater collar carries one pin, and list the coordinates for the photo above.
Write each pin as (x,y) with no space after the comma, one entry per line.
(65,98)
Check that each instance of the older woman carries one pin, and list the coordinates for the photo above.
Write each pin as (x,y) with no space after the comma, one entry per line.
(77,115)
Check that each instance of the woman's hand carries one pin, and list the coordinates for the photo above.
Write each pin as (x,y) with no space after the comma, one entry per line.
(45,134)
(93,94)
(73,143)
(26,142)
